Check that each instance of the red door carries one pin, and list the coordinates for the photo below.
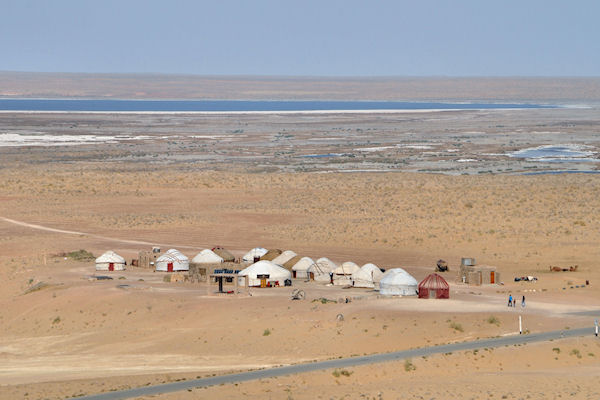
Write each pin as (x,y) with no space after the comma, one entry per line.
(492,277)
(170,267)
(111,266)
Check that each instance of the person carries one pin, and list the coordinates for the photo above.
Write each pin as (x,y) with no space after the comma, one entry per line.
(515,301)
(523,302)
(510,300)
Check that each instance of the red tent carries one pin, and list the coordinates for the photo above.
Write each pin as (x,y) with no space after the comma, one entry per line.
(434,286)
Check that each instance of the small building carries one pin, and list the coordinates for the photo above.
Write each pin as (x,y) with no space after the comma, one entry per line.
(172,260)
(474,274)
(110,261)
(434,287)
(147,259)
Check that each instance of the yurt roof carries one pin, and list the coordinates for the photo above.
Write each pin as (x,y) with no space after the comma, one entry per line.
(284,257)
(271,254)
(368,272)
(346,268)
(265,267)
(207,256)
(172,255)
(291,262)
(398,278)
(303,264)
(223,253)
(434,281)
(110,257)
(255,252)
(325,264)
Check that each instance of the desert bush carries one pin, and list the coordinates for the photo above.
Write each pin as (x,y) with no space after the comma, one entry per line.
(409,366)
(456,326)
(493,320)
(81,255)
(267,332)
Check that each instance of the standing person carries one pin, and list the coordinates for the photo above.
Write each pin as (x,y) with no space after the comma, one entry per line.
(515,301)
(523,302)
(510,299)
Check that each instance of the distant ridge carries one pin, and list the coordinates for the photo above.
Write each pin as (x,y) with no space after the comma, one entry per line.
(157,86)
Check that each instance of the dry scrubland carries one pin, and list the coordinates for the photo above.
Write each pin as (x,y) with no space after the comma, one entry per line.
(74,331)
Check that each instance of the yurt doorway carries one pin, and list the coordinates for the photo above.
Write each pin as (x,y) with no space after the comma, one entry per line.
(432,294)
(492,277)
(170,267)
(111,266)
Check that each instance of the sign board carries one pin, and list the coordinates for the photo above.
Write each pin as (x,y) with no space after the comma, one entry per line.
(262,276)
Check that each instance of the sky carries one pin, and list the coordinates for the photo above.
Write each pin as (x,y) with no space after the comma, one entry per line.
(303,38)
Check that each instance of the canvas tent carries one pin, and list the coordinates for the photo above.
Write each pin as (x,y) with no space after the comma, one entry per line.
(254,254)
(322,269)
(207,256)
(342,275)
(300,269)
(284,257)
(172,260)
(224,254)
(277,275)
(110,261)
(398,282)
(367,276)
(434,287)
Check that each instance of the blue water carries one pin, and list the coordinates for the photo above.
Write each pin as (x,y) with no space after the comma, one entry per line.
(239,105)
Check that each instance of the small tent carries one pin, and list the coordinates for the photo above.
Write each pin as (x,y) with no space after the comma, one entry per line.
(322,270)
(172,260)
(254,254)
(276,274)
(398,282)
(284,257)
(110,261)
(224,254)
(207,256)
(367,276)
(300,269)
(342,275)
(434,287)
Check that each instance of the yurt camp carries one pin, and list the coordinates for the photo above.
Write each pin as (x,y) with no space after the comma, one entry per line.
(284,257)
(342,275)
(110,261)
(434,287)
(398,282)
(265,273)
(207,256)
(322,270)
(367,276)
(172,260)
(224,254)
(254,255)
(300,269)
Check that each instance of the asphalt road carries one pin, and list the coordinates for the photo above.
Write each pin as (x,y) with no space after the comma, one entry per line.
(338,363)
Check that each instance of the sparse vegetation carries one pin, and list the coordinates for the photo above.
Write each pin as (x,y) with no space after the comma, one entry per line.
(409,366)
(456,326)
(81,255)
(493,320)
(576,353)
(266,332)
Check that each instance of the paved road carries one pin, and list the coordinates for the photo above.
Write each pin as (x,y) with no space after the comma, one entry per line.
(338,363)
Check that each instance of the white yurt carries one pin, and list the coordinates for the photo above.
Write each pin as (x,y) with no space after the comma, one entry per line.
(367,276)
(320,271)
(207,256)
(284,257)
(300,269)
(110,261)
(277,274)
(342,275)
(172,260)
(398,282)
(256,252)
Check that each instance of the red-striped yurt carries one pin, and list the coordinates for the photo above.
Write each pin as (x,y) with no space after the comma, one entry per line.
(434,287)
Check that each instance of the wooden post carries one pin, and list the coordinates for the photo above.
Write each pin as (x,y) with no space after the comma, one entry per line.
(520,326)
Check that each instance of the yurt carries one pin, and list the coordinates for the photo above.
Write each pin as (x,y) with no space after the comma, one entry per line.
(300,269)
(271,254)
(342,275)
(398,282)
(254,254)
(434,287)
(207,256)
(171,261)
(367,276)
(110,261)
(224,254)
(276,274)
(284,257)
(322,270)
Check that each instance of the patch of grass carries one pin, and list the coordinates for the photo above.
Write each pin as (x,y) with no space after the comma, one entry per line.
(493,320)
(576,353)
(323,300)
(409,366)
(267,332)
(556,350)
(81,255)
(56,320)
(456,326)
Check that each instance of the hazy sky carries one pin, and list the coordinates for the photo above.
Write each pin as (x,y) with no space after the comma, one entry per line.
(324,38)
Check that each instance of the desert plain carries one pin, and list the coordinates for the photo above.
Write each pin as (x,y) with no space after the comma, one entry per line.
(396,189)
